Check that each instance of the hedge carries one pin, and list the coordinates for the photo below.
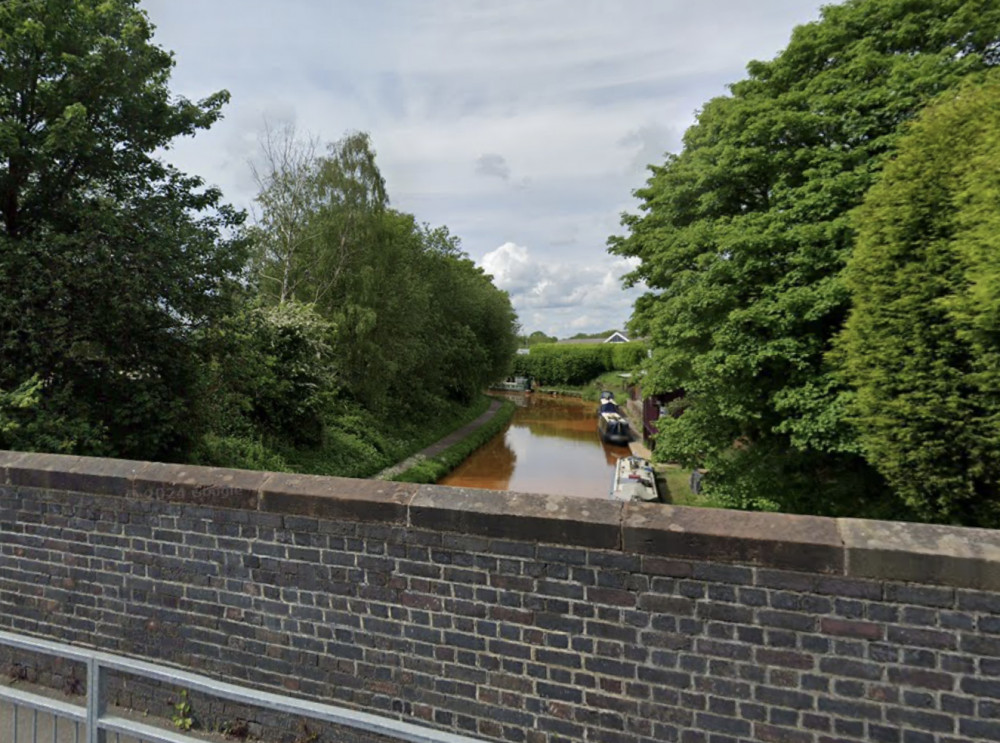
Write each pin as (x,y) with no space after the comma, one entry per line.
(576,364)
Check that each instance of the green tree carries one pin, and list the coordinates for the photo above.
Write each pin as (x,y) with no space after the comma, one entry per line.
(287,195)
(922,343)
(317,215)
(270,373)
(109,257)
(538,337)
(412,320)
(744,235)
(474,331)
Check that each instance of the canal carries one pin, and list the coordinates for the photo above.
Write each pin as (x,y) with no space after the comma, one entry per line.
(550,446)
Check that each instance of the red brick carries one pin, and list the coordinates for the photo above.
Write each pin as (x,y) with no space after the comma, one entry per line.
(849,628)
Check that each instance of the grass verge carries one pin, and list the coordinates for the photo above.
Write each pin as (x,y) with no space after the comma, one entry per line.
(677,482)
(433,469)
(360,444)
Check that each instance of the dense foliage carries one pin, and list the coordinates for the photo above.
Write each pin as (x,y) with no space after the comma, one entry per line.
(744,237)
(140,318)
(922,343)
(109,259)
(578,363)
(359,315)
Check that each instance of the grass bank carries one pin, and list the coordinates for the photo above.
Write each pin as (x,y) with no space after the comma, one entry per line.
(434,468)
(675,482)
(355,442)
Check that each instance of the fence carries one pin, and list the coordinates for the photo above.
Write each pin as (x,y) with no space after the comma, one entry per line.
(34,718)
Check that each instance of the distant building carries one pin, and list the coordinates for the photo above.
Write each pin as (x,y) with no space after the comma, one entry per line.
(616,337)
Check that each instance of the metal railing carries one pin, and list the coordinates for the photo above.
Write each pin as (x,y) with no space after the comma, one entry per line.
(91,723)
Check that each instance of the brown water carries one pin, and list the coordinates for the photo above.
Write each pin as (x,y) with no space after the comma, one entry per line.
(550,446)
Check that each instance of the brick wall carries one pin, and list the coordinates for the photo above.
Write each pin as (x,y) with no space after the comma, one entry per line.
(513,617)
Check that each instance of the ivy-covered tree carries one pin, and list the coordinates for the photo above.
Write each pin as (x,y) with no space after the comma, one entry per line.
(108,256)
(744,235)
(922,343)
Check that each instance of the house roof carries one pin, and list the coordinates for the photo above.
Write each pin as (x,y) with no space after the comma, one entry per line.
(609,339)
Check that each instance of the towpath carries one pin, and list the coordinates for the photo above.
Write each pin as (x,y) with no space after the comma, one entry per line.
(448,441)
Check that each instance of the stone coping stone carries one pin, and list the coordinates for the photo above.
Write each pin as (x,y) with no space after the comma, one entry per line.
(959,557)
(551,519)
(95,475)
(7,460)
(777,540)
(337,498)
(216,487)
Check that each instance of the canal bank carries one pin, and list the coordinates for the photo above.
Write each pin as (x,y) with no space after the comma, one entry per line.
(478,430)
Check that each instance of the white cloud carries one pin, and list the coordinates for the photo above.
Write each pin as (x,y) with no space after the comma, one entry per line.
(562,299)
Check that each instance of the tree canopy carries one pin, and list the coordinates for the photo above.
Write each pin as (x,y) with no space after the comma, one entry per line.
(922,343)
(744,236)
(109,257)
(139,316)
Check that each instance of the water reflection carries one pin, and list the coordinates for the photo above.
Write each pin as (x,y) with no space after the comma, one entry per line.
(550,446)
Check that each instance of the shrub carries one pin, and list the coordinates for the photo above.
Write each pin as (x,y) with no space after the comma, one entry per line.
(577,364)
(240,452)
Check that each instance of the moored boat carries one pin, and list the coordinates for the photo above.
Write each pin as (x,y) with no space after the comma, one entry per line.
(634,480)
(613,428)
(611,425)
(513,384)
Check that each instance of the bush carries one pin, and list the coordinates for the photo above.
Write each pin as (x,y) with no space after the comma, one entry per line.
(240,452)
(627,356)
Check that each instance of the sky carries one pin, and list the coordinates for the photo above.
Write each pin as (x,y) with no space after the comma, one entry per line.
(524,126)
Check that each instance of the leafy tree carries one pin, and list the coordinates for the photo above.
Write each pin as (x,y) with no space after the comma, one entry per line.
(475,330)
(108,256)
(415,322)
(922,345)
(352,200)
(411,319)
(538,337)
(744,236)
(318,214)
(270,374)
(287,196)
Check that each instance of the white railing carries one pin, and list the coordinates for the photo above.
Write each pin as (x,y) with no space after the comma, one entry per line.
(34,718)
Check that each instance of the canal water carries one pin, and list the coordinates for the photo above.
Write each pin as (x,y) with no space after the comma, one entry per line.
(551,445)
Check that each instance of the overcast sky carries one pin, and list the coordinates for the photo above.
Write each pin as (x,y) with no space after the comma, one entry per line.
(522,125)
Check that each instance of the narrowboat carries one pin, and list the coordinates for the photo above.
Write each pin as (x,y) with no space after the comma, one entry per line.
(612,427)
(634,480)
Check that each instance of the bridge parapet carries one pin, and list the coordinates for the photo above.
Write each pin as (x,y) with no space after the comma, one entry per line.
(512,616)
